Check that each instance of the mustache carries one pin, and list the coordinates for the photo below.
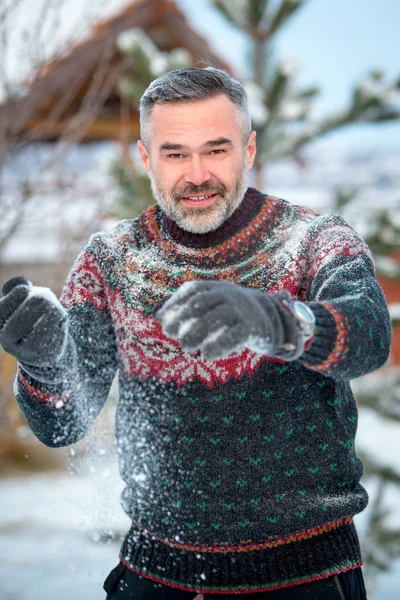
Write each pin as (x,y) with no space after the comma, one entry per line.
(205,188)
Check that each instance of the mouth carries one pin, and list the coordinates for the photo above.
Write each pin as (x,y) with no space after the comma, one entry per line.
(199,200)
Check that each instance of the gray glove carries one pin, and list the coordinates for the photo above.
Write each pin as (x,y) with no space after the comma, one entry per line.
(219,318)
(33,324)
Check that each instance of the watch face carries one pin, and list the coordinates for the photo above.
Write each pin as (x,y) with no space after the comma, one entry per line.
(303,313)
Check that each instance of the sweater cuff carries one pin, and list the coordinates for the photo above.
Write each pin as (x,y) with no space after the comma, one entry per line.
(329,345)
(40,393)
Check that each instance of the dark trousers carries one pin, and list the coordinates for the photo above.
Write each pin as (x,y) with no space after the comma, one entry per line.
(124,584)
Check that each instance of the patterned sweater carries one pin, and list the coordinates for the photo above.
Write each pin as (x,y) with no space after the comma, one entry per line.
(241,474)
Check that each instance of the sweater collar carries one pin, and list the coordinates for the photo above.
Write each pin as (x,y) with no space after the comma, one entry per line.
(237,239)
(246,211)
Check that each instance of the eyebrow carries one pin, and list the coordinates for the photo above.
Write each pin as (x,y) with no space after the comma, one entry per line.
(221,141)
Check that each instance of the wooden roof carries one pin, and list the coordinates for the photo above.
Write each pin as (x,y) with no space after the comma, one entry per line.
(78,93)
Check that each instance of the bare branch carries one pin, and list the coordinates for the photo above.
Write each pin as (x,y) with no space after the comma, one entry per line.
(5,16)
(104,78)
(37,49)
(7,9)
(103,82)
(23,199)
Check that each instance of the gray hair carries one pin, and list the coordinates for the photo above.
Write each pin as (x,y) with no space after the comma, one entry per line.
(185,85)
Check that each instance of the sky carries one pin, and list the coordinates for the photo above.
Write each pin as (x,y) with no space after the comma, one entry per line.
(335,43)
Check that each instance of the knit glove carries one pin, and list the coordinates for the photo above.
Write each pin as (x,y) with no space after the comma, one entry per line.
(218,318)
(33,324)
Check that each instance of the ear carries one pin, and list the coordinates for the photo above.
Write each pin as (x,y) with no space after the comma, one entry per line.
(144,155)
(251,149)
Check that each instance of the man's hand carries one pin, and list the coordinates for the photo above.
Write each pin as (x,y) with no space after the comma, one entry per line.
(220,318)
(33,324)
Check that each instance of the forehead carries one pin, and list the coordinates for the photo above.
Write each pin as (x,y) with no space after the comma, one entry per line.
(195,122)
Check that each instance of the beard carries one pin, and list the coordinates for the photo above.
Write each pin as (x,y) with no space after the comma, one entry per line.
(201,219)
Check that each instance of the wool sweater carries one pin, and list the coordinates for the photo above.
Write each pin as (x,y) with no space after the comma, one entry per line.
(241,473)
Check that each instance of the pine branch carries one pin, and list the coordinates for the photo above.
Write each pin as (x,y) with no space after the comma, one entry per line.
(276,90)
(134,190)
(222,6)
(253,18)
(291,145)
(388,115)
(381,545)
(379,393)
(374,469)
(284,12)
(387,266)
(308,93)
(255,12)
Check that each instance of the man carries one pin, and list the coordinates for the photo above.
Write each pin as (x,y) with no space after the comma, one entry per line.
(236,321)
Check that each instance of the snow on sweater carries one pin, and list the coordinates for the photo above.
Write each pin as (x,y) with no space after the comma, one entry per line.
(241,473)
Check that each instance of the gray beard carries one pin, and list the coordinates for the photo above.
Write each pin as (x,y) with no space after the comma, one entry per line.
(202,220)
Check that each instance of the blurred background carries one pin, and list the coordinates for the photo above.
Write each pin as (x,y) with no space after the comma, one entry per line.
(324,85)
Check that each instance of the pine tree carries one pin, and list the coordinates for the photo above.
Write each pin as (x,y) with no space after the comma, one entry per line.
(280,110)
(147,63)
(379,392)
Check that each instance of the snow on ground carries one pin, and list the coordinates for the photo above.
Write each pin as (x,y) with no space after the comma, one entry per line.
(55,528)
(54,533)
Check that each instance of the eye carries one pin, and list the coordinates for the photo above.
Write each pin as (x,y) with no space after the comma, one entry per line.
(175,155)
(219,151)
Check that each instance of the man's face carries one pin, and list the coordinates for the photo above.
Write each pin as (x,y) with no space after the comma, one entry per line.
(197,161)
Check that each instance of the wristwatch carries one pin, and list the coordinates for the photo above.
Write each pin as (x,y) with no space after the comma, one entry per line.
(304,316)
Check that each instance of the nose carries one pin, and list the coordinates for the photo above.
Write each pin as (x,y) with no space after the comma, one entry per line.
(196,172)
